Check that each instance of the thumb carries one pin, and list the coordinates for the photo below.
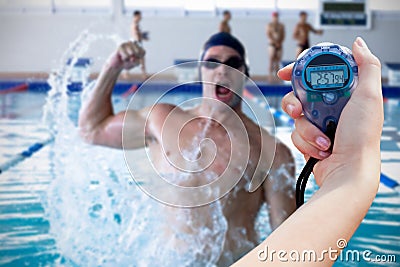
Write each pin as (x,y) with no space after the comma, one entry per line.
(369,71)
(361,121)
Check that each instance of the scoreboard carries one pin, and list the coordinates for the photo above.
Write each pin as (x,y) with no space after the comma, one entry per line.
(334,14)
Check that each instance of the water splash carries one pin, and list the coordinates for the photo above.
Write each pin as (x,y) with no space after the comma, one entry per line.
(282,179)
(97,215)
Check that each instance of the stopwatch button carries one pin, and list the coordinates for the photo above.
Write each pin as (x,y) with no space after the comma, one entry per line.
(329,98)
(315,113)
(297,73)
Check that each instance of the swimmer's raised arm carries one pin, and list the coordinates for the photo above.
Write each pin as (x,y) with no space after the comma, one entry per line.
(315,30)
(97,122)
(348,177)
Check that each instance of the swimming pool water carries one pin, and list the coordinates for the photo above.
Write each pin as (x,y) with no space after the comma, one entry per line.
(25,236)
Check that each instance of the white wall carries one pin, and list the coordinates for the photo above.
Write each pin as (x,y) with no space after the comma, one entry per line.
(36,42)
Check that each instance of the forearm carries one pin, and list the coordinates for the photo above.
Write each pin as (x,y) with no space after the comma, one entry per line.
(332,214)
(338,208)
(98,107)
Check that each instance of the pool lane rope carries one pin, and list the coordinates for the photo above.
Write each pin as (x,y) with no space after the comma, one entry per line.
(389,182)
(384,179)
(283,117)
(27,153)
(15,89)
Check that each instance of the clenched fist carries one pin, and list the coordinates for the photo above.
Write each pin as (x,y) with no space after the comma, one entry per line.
(127,56)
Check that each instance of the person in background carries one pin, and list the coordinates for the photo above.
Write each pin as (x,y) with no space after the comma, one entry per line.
(276,36)
(348,177)
(301,33)
(139,36)
(224,25)
(218,117)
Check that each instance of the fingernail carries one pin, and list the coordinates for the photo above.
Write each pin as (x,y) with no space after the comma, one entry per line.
(361,42)
(322,142)
(324,154)
(290,108)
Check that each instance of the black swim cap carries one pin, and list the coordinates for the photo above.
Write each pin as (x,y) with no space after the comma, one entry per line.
(226,39)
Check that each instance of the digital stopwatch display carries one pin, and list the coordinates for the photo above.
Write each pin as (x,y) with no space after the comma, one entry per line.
(334,74)
(327,76)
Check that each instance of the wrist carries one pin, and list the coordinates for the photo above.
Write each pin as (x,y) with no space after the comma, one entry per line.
(112,69)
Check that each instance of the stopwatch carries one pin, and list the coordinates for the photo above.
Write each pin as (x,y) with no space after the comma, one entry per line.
(323,79)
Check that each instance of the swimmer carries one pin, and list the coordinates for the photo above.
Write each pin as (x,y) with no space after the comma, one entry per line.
(139,36)
(348,176)
(276,35)
(100,126)
(301,33)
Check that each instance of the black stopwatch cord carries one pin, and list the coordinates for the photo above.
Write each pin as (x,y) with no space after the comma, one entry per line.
(302,181)
(308,168)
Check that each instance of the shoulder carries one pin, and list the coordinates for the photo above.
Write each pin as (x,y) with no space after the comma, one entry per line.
(161,110)
(156,116)
(153,114)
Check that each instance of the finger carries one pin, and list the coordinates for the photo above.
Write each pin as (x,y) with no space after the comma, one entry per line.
(130,50)
(139,51)
(291,105)
(123,52)
(135,48)
(306,148)
(286,72)
(311,134)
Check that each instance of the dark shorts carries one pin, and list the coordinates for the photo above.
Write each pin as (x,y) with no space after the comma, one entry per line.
(304,46)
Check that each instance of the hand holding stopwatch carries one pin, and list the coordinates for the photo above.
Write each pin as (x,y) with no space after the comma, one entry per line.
(323,79)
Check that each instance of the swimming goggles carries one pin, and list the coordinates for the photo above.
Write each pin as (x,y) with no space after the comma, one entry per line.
(234,62)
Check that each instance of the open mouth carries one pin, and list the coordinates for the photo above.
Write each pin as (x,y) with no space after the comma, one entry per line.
(223,93)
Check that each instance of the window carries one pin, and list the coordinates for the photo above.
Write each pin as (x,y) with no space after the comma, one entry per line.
(245,4)
(298,4)
(179,7)
(196,5)
(25,5)
(82,5)
(54,5)
(153,4)
(384,5)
